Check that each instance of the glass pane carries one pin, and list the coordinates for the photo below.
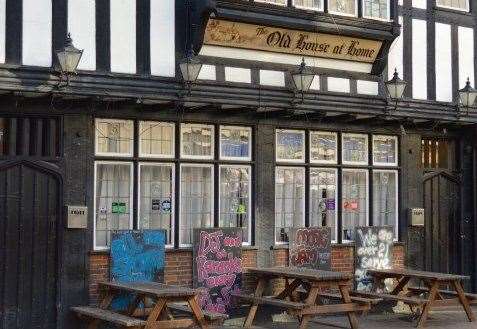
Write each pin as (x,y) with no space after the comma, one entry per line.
(323,198)
(384,149)
(457,4)
(376,8)
(197,141)
(347,7)
(156,138)
(235,142)
(113,200)
(323,147)
(290,145)
(289,201)
(355,201)
(114,137)
(385,198)
(235,199)
(355,149)
(196,200)
(312,4)
(156,211)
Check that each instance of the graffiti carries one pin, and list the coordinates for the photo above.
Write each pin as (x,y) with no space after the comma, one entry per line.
(373,251)
(311,247)
(217,266)
(136,256)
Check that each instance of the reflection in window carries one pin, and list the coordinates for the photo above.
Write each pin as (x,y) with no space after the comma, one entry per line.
(323,147)
(235,198)
(355,149)
(376,9)
(454,4)
(344,7)
(113,200)
(156,139)
(309,4)
(385,198)
(289,201)
(114,137)
(354,201)
(156,198)
(323,198)
(196,201)
(385,150)
(235,143)
(290,145)
(197,141)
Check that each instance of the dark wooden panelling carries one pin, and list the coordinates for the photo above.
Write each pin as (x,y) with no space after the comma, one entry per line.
(60,17)
(143,26)
(13,32)
(103,36)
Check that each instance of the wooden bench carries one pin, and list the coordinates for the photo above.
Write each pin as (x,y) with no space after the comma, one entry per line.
(404,299)
(269,301)
(471,297)
(109,316)
(216,318)
(356,299)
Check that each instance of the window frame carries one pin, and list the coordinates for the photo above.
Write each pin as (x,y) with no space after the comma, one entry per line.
(295,161)
(320,9)
(466,10)
(212,185)
(116,154)
(396,220)
(131,197)
(323,133)
(157,156)
(367,150)
(285,4)
(388,13)
(250,143)
(303,220)
(396,151)
(249,210)
(173,201)
(345,14)
(212,143)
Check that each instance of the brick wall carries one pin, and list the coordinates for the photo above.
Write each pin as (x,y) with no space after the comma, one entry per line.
(178,269)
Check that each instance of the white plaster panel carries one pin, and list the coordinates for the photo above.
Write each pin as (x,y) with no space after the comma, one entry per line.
(419,59)
(443,63)
(2,30)
(367,87)
(82,26)
(422,4)
(237,74)
(466,56)
(315,84)
(37,33)
(207,72)
(272,78)
(123,36)
(163,56)
(338,85)
(395,57)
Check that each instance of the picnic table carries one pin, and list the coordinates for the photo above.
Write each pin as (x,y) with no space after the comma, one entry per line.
(160,300)
(316,283)
(430,284)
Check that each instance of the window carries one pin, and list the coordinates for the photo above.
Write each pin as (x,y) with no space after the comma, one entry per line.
(354,201)
(235,143)
(385,207)
(156,198)
(235,197)
(197,141)
(275,2)
(323,147)
(114,137)
(376,9)
(156,139)
(355,149)
(454,4)
(197,200)
(385,149)
(343,7)
(323,199)
(309,4)
(289,201)
(290,145)
(113,200)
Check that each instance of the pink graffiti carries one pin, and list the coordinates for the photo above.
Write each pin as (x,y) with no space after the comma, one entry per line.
(209,242)
(233,241)
(312,238)
(206,268)
(220,280)
(304,257)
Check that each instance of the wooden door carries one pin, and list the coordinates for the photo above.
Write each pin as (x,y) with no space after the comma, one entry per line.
(29,213)
(442,229)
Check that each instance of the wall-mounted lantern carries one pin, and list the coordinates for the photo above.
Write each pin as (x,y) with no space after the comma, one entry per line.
(68,57)
(302,78)
(467,95)
(190,67)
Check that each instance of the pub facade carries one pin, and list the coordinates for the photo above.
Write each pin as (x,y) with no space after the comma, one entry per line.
(260,114)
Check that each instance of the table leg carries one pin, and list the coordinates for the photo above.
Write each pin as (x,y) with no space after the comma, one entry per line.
(289,288)
(353,321)
(310,301)
(425,311)
(197,312)
(463,300)
(155,313)
(253,309)
(403,281)
(106,300)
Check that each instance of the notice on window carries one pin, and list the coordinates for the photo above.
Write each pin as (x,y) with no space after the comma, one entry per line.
(118,208)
